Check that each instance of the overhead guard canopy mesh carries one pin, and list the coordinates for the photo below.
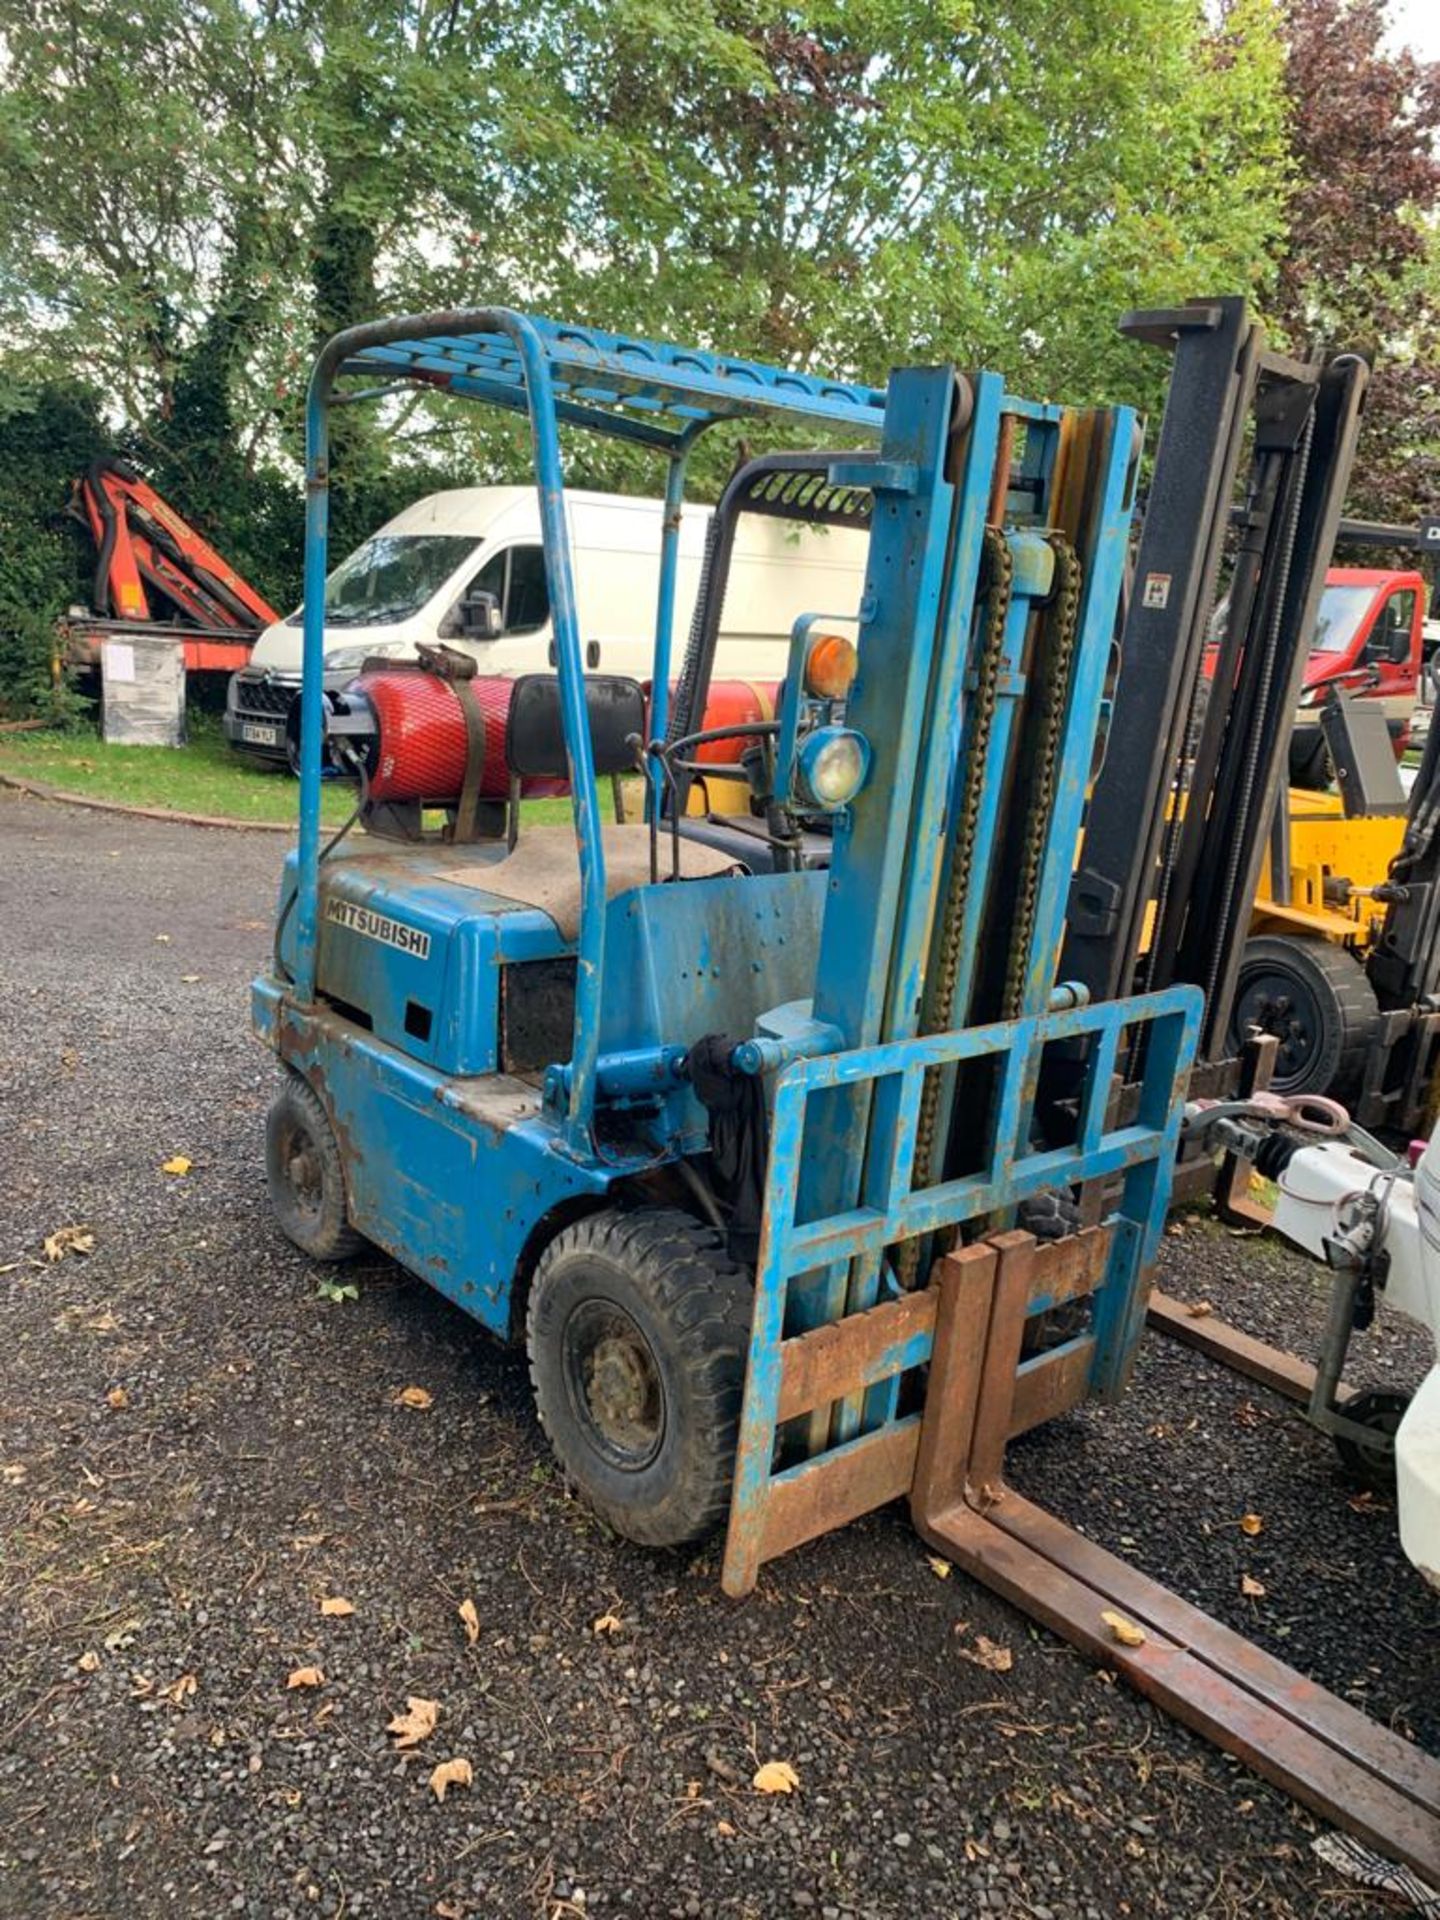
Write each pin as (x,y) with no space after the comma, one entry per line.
(638,390)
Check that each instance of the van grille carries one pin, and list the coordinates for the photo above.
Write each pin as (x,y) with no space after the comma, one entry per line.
(263,696)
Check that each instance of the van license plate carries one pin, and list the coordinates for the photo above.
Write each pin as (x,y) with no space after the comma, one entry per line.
(259,736)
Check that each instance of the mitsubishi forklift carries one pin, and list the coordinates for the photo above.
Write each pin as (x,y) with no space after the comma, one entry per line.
(735,1143)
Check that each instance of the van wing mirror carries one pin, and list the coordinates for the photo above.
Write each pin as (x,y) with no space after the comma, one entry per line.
(535,731)
(480,617)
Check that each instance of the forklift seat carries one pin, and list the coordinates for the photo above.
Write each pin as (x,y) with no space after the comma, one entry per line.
(535,730)
(543,870)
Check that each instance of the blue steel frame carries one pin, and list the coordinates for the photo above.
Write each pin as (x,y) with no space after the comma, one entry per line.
(841,1178)
(654,395)
(889,1209)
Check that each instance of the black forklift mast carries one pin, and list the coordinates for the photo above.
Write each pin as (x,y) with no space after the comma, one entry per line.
(1182,807)
(1404,968)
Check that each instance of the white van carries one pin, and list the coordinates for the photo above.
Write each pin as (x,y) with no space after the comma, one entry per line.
(410,583)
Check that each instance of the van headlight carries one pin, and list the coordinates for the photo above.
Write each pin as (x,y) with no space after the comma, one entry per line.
(831,766)
(352,659)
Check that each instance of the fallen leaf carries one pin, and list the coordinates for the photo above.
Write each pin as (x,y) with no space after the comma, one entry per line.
(940,1568)
(117,1397)
(1251,1523)
(1251,1588)
(414,1397)
(89,1661)
(417,1723)
(610,1623)
(1197,1309)
(82,1320)
(177,1164)
(449,1910)
(776,1776)
(470,1620)
(1123,1630)
(179,1691)
(335,1608)
(724,1829)
(68,1240)
(450,1773)
(306,1677)
(988,1654)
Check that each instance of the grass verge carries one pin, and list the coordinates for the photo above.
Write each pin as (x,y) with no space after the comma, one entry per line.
(204,776)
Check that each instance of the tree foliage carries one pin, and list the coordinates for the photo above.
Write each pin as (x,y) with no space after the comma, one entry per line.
(1362,266)
(197,191)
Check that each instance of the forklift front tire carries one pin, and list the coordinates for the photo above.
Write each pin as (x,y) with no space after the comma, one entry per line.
(638,1331)
(305,1177)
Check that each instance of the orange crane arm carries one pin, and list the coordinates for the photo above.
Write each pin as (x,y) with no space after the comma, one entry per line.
(140,537)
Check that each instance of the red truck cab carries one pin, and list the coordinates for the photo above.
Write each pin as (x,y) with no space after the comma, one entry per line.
(1368,640)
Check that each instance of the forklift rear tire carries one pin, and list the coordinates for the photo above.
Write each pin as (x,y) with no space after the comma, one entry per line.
(1315,997)
(638,1332)
(305,1176)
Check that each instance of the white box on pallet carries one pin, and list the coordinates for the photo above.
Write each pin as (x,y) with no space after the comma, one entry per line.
(142,689)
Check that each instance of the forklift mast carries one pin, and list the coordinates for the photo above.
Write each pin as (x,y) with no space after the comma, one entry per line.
(1203,776)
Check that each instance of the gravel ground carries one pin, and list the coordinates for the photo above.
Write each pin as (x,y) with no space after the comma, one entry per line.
(197,1449)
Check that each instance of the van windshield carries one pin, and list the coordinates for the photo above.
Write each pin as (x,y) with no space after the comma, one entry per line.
(390,577)
(1341,611)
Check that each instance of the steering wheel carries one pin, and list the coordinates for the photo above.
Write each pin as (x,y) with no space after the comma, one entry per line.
(776,825)
(678,752)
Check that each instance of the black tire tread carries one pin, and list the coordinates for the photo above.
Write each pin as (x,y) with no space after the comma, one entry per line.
(684,1267)
(1343,974)
(336,1239)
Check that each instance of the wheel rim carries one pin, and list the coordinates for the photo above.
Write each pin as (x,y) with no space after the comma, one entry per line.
(1280,1002)
(303,1173)
(614,1385)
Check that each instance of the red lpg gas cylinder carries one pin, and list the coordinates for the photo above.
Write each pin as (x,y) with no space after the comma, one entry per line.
(731,704)
(421,740)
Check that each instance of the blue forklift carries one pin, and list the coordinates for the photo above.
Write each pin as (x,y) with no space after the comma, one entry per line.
(658,1104)
(731,1119)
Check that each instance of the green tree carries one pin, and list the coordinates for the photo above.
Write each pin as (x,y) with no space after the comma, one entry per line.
(198,190)
(1361,266)
(49,434)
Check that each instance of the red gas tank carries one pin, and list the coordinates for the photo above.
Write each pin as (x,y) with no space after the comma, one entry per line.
(731,704)
(421,740)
